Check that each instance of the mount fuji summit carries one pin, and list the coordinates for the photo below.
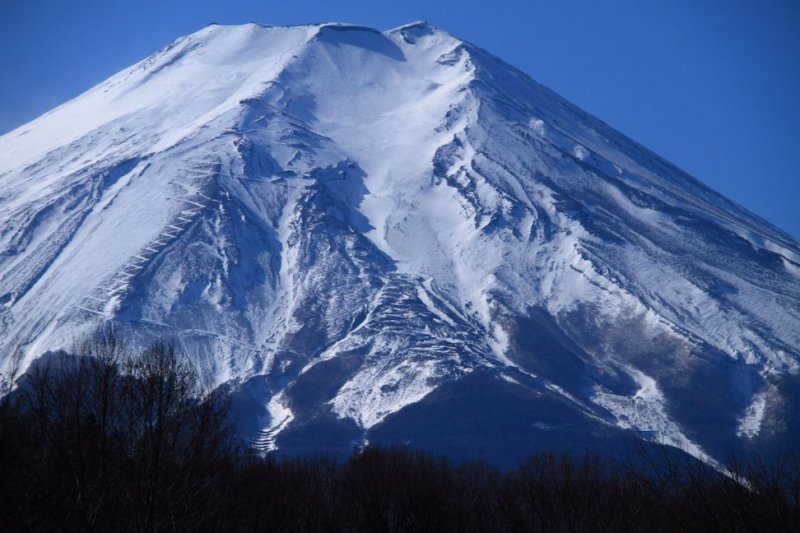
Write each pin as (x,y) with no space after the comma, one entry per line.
(396,237)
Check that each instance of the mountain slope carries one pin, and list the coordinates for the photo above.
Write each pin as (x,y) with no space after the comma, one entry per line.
(361,232)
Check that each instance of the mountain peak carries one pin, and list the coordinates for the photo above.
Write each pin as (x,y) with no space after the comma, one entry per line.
(420,27)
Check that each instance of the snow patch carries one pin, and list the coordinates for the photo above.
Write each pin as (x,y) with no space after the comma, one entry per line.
(791,267)
(537,125)
(280,416)
(509,379)
(750,424)
(645,412)
(499,342)
(376,391)
(426,299)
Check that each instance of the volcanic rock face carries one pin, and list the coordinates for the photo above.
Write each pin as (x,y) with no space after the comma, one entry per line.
(397,237)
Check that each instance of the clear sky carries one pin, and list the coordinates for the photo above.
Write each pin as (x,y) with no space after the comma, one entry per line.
(712,86)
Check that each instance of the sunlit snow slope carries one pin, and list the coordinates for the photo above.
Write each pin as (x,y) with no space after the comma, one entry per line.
(397,237)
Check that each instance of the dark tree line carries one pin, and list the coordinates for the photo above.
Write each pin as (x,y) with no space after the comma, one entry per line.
(105,441)
(113,441)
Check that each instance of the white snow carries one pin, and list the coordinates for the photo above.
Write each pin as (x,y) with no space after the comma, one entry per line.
(750,423)
(378,391)
(580,152)
(280,416)
(646,413)
(423,295)
(537,125)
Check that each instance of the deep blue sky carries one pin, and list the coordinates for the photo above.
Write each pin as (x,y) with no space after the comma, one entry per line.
(713,86)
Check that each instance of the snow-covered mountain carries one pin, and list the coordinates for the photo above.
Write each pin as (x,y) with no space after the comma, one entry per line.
(395,236)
